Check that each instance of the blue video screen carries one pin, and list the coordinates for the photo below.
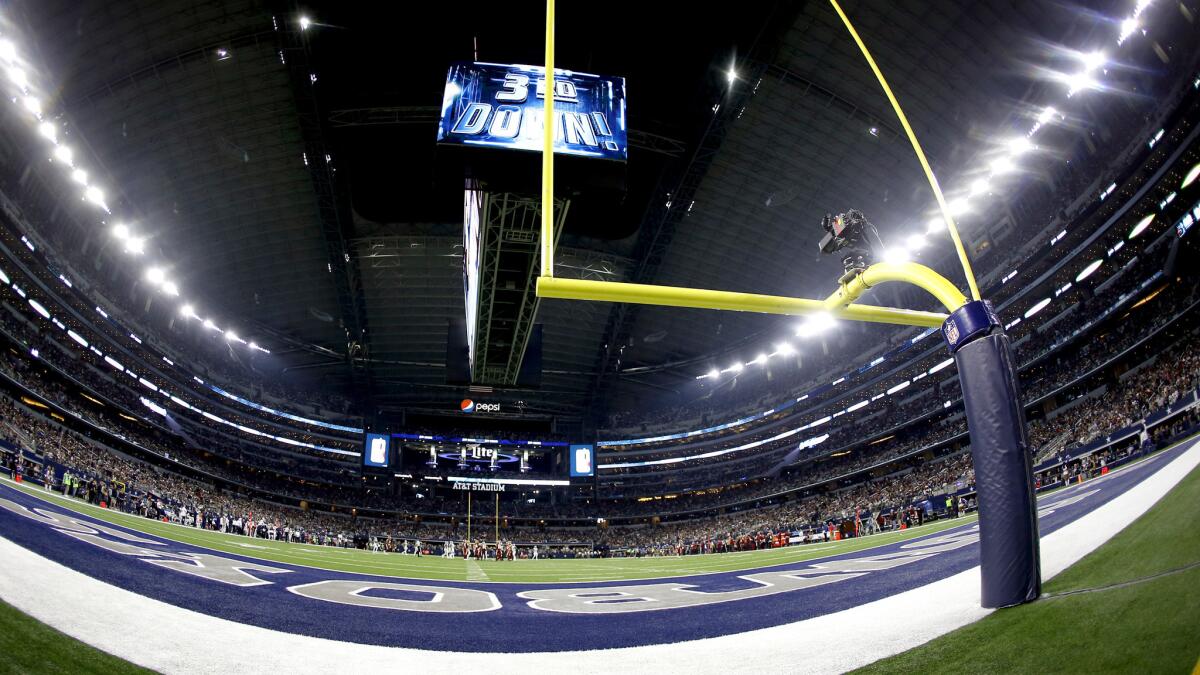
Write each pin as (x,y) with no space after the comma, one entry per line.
(375,451)
(583,460)
(501,106)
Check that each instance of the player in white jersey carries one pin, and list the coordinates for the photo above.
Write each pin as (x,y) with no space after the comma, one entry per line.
(535,552)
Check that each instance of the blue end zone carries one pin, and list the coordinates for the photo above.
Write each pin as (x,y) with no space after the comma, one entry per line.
(515,626)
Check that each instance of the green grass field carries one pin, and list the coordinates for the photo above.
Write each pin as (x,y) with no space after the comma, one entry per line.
(1131,606)
(519,571)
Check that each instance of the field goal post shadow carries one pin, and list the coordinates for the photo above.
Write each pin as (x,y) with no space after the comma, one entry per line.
(1010,566)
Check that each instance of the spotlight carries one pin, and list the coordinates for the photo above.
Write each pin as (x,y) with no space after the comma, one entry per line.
(121,231)
(815,324)
(1001,165)
(188,311)
(1018,145)
(305,22)
(897,254)
(94,195)
(155,275)
(1093,60)
(1047,113)
(18,77)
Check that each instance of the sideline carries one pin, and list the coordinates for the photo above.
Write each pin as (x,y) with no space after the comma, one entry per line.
(171,639)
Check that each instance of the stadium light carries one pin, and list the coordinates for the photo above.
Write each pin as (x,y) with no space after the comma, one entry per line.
(188,311)
(785,349)
(33,105)
(1089,270)
(305,22)
(230,335)
(64,154)
(1018,145)
(1002,165)
(170,288)
(1191,176)
(714,373)
(940,366)
(936,225)
(95,195)
(1128,27)
(896,254)
(958,206)
(8,51)
(48,131)
(1141,226)
(979,186)
(156,276)
(210,325)
(1046,115)
(737,367)
(1041,304)
(18,77)
(135,245)
(79,176)
(815,324)
(121,231)
(915,242)
(1093,60)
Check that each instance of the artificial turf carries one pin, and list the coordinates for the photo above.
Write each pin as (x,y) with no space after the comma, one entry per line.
(520,571)
(1130,606)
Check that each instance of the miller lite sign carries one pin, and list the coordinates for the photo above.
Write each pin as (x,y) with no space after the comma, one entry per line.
(501,106)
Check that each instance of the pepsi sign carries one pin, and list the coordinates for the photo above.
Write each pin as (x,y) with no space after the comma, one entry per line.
(502,106)
(469,406)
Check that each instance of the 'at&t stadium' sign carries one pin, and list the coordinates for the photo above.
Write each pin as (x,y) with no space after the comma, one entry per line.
(501,106)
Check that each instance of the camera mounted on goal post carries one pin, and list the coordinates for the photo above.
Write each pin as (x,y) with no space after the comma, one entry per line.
(847,232)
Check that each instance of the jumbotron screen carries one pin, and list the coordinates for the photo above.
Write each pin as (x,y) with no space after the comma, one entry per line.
(476,458)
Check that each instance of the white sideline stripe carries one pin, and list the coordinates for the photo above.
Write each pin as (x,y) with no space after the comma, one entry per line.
(175,640)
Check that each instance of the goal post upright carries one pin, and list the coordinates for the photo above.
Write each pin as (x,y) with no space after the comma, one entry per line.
(1000,453)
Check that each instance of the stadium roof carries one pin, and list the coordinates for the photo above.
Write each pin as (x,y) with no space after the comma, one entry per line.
(208,119)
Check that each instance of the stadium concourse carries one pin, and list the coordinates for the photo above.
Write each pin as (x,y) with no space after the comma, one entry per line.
(282,386)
